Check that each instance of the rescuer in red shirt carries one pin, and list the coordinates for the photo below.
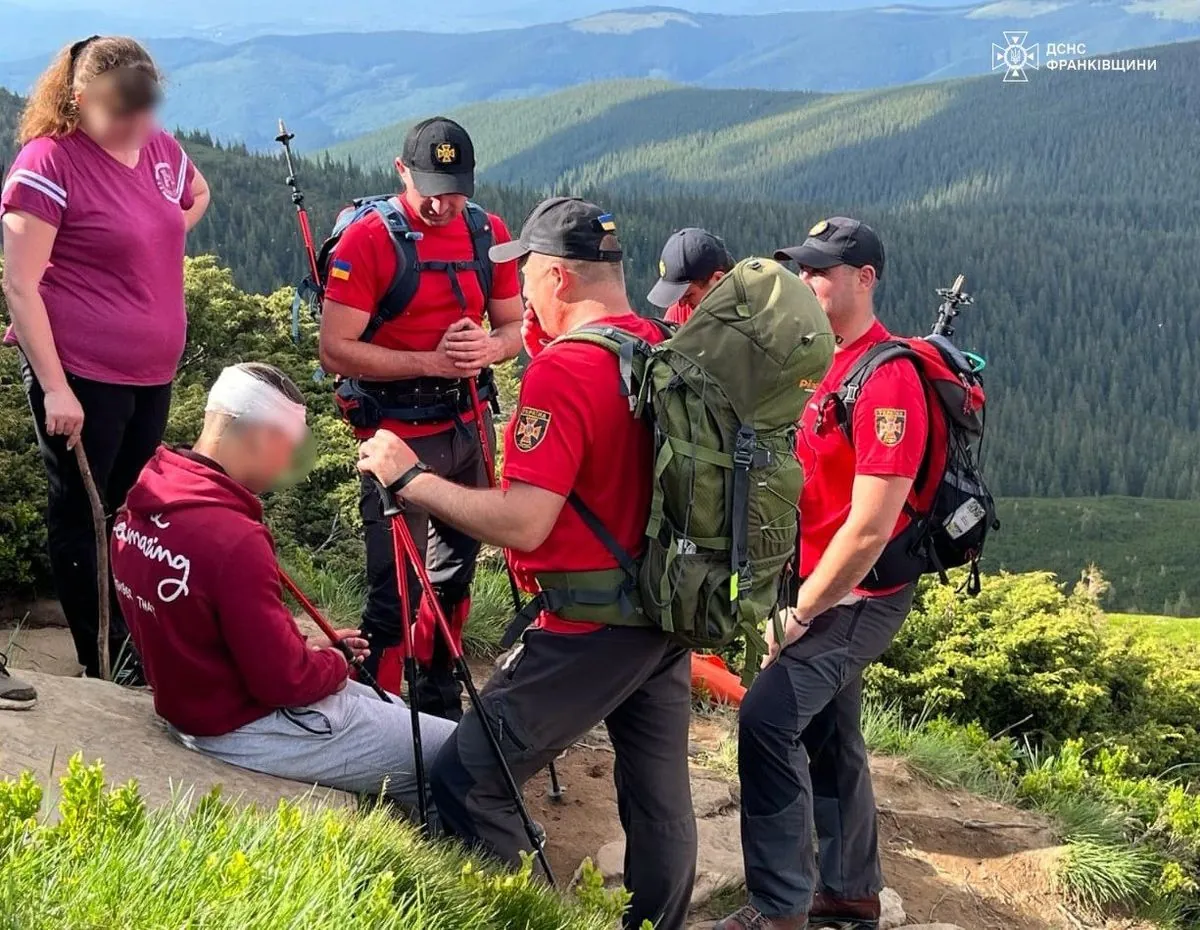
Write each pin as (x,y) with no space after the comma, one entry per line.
(801,754)
(693,261)
(409,375)
(574,452)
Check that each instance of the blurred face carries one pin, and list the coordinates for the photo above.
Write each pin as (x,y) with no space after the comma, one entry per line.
(842,290)
(544,282)
(267,454)
(698,290)
(106,117)
(441,210)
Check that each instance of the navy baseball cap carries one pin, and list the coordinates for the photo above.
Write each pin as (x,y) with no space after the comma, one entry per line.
(565,227)
(838,240)
(691,254)
(441,157)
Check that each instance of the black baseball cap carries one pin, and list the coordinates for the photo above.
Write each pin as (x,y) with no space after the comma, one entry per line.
(441,157)
(565,227)
(838,240)
(691,254)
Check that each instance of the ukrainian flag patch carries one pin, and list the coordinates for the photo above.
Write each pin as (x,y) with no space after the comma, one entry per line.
(607,223)
(339,269)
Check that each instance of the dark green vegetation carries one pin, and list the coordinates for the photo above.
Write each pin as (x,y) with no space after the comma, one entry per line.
(1145,548)
(1087,303)
(341,84)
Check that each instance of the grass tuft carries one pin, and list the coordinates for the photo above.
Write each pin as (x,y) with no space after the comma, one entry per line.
(1096,874)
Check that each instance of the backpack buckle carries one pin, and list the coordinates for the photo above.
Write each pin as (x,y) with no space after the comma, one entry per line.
(744,448)
(850,393)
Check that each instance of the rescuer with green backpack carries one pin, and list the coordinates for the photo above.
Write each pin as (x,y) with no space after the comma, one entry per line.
(649,506)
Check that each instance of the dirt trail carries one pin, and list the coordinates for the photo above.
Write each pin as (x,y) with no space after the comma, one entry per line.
(953,857)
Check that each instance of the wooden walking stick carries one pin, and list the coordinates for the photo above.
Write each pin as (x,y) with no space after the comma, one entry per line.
(99,526)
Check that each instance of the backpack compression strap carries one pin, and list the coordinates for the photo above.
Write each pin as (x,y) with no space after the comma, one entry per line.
(608,596)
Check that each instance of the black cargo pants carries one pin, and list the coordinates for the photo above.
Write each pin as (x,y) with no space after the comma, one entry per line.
(551,689)
(450,557)
(801,758)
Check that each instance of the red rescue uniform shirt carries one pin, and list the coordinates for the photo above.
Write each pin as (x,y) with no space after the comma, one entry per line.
(891,428)
(366,258)
(573,431)
(678,313)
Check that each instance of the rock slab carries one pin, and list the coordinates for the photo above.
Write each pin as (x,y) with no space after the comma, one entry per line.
(119,727)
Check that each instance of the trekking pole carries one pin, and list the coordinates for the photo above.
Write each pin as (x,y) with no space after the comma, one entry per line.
(99,527)
(410,649)
(401,534)
(285,139)
(327,629)
(556,789)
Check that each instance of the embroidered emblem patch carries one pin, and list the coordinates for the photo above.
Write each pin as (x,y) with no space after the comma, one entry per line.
(889,425)
(532,425)
(819,228)
(446,153)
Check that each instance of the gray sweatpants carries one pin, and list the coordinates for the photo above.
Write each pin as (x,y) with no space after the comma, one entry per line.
(802,759)
(350,740)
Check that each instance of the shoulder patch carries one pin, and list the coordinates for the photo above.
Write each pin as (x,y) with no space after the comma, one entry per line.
(532,426)
(889,425)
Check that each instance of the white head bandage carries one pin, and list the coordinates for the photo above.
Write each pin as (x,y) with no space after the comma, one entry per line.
(240,395)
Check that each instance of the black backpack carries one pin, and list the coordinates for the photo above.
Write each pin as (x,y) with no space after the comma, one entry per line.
(408,268)
(953,531)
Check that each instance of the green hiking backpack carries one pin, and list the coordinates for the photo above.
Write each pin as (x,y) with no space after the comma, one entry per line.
(723,395)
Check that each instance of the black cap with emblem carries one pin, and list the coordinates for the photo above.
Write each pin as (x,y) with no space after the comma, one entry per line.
(441,157)
(838,240)
(565,227)
(691,254)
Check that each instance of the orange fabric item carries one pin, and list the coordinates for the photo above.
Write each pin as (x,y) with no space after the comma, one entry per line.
(711,676)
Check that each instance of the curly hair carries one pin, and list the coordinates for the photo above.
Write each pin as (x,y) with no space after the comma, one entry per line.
(51,108)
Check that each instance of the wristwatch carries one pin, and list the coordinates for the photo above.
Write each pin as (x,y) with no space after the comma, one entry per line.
(404,480)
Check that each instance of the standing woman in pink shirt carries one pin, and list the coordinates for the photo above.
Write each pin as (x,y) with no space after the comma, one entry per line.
(95,211)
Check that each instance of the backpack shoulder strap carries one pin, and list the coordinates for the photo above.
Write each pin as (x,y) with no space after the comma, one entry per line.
(406,280)
(479,224)
(625,346)
(852,384)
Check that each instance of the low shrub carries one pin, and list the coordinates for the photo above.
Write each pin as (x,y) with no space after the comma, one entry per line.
(110,862)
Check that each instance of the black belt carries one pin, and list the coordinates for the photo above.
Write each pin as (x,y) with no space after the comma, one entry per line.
(416,400)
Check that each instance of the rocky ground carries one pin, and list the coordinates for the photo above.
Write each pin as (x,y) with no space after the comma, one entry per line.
(950,859)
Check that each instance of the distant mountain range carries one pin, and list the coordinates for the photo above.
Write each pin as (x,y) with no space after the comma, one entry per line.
(338,86)
(28,26)
(1062,136)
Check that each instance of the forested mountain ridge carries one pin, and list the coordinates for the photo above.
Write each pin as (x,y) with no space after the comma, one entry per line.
(1088,309)
(1065,134)
(341,84)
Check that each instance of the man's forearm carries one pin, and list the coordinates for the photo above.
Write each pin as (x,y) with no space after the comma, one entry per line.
(364,360)
(485,514)
(851,554)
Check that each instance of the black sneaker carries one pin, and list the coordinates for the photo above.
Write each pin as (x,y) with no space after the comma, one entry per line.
(15,694)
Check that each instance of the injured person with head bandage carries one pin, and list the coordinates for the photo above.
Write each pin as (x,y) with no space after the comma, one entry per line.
(198,582)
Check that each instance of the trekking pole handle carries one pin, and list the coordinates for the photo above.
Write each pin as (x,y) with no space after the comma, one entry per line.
(391,506)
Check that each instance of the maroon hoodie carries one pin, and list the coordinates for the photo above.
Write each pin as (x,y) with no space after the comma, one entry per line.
(196,576)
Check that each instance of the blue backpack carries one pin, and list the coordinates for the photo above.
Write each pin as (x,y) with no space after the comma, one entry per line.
(408,267)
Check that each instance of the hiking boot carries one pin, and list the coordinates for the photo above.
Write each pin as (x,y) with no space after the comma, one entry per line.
(844,913)
(751,918)
(15,694)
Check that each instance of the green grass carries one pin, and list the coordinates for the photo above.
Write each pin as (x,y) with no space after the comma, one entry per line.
(1145,548)
(109,862)
(1178,631)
